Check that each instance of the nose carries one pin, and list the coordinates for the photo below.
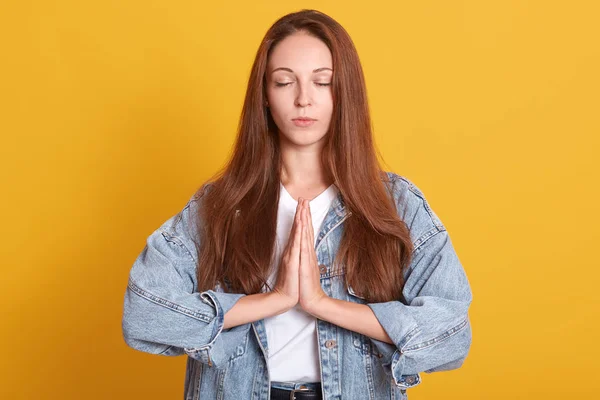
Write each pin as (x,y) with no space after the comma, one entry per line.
(303,97)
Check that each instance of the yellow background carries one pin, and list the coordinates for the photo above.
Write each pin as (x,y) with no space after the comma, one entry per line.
(114,112)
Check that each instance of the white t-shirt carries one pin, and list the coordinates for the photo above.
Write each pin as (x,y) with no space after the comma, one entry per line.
(292,336)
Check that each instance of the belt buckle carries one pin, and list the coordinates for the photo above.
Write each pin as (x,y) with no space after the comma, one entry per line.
(293,392)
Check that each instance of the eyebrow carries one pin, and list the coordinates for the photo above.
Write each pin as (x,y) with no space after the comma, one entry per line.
(314,71)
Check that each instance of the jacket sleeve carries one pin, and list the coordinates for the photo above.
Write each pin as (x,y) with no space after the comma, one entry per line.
(430,325)
(431,329)
(163,313)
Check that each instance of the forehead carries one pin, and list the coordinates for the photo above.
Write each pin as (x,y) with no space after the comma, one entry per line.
(300,52)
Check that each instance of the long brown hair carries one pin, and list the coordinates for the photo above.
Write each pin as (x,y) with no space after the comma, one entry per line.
(238,217)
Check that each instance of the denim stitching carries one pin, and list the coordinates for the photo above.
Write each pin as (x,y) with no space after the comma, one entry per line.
(419,193)
(168,304)
(175,239)
(408,337)
(425,237)
(450,332)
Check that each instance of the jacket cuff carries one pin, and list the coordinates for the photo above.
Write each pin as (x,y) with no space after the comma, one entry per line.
(222,345)
(403,381)
(401,333)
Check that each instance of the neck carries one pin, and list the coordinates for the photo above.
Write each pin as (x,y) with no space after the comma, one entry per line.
(305,177)
(302,168)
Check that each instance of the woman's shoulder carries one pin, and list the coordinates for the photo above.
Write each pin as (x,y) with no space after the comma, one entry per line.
(413,207)
(182,227)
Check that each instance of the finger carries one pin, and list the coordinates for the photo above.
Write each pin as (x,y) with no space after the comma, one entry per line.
(306,219)
(311,231)
(298,226)
(297,214)
(296,220)
(311,256)
(297,236)
(307,235)
(310,237)
(292,237)
(303,247)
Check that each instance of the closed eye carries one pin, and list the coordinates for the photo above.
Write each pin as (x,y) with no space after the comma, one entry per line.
(279,84)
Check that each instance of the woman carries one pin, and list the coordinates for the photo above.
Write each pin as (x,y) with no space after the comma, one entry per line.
(302,270)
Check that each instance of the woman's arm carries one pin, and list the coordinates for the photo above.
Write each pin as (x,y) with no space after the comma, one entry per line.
(254,307)
(432,331)
(352,316)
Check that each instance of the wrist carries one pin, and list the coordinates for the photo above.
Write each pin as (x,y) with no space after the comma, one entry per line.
(316,306)
(281,301)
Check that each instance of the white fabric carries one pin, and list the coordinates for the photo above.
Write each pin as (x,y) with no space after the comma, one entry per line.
(292,336)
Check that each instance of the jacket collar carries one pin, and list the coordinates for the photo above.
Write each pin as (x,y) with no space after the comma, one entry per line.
(335,215)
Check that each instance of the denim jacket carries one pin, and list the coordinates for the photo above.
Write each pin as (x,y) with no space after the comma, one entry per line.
(164,314)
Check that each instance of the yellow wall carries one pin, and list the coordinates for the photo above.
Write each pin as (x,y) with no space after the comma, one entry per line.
(113,113)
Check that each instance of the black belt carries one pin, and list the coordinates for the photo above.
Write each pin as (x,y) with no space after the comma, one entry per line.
(297,394)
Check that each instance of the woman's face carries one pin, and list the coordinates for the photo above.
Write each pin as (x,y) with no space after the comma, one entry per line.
(299,73)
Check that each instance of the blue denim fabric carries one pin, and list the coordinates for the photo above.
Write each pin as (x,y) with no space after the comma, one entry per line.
(164,314)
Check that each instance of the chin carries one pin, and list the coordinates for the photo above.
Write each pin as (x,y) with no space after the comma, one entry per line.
(303,136)
(306,140)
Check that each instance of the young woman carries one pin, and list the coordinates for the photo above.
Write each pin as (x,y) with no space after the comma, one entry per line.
(302,270)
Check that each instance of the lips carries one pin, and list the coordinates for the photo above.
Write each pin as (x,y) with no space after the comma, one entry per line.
(303,122)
